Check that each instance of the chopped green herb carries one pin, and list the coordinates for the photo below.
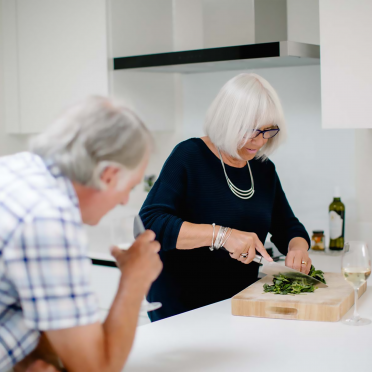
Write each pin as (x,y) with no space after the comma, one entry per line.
(317,274)
(284,286)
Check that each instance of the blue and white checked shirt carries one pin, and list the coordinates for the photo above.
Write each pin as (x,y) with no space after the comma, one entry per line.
(44,268)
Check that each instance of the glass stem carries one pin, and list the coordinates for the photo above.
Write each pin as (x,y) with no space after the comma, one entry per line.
(356,315)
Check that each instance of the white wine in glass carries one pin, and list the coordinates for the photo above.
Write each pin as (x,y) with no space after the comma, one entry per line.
(356,268)
(123,232)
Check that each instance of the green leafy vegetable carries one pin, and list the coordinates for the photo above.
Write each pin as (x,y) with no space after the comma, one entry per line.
(284,286)
(317,274)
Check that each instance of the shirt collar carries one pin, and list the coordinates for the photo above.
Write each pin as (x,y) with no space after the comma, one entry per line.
(63,182)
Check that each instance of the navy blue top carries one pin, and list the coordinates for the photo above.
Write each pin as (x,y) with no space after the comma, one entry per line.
(192,187)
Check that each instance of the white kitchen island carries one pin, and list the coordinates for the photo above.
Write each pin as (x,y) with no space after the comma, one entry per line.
(211,339)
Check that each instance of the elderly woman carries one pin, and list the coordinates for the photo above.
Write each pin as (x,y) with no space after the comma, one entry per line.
(222,191)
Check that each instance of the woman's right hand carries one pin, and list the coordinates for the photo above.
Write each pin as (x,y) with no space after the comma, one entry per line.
(247,243)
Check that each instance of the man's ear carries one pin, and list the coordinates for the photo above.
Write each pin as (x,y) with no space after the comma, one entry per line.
(109,177)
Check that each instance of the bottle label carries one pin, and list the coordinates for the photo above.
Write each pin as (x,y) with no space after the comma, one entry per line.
(335,225)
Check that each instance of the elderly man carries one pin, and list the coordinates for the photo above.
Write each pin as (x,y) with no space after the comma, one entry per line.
(84,165)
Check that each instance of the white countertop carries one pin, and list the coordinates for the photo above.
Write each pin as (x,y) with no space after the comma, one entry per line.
(211,339)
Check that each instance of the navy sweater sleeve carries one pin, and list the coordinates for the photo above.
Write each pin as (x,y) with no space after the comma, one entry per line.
(159,211)
(284,224)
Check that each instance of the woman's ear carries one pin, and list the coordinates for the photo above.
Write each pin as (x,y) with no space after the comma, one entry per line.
(110,177)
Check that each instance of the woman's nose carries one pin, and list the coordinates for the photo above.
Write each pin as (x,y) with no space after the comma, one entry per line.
(259,140)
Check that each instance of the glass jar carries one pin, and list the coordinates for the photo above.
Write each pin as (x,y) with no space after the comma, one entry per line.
(318,240)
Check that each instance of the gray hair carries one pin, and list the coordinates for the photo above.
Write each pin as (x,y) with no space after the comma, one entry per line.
(92,134)
(245,103)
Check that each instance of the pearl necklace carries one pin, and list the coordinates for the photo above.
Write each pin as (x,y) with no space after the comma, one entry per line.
(242,194)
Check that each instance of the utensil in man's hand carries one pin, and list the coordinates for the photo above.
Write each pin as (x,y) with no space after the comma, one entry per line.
(124,231)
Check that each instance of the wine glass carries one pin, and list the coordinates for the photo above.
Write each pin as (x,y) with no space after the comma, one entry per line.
(356,268)
(123,232)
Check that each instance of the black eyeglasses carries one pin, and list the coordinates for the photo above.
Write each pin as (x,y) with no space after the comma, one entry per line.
(266,134)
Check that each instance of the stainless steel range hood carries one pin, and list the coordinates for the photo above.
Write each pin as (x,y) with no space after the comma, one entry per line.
(267,46)
(242,57)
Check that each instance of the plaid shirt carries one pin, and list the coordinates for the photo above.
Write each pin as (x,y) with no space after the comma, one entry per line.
(44,268)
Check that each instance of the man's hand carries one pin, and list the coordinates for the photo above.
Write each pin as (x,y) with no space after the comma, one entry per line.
(140,265)
(41,366)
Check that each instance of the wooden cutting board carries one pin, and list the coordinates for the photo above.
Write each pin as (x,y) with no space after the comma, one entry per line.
(325,304)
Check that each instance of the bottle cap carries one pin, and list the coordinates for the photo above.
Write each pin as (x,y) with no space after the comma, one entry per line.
(337,193)
(318,232)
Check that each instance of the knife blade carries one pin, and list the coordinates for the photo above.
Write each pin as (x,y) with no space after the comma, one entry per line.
(138,227)
(273,268)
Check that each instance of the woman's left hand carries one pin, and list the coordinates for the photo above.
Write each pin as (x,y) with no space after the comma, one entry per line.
(298,256)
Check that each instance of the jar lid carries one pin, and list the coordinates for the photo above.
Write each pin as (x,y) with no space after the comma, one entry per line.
(318,232)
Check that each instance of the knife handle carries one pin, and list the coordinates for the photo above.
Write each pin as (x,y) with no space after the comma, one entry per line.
(258,259)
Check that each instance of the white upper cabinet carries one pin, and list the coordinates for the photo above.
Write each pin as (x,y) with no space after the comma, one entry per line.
(55,52)
(346,63)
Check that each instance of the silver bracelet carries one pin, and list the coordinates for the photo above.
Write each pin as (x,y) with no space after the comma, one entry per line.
(212,246)
(216,242)
(227,238)
(224,236)
(220,237)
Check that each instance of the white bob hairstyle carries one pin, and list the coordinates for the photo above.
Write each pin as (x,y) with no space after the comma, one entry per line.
(245,103)
(91,135)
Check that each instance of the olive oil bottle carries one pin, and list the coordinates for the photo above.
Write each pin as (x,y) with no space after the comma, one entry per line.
(336,222)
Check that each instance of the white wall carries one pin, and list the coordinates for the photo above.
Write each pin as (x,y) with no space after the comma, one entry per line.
(8,143)
(151,95)
(363,170)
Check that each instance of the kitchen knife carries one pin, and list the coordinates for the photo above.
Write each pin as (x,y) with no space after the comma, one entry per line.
(273,268)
